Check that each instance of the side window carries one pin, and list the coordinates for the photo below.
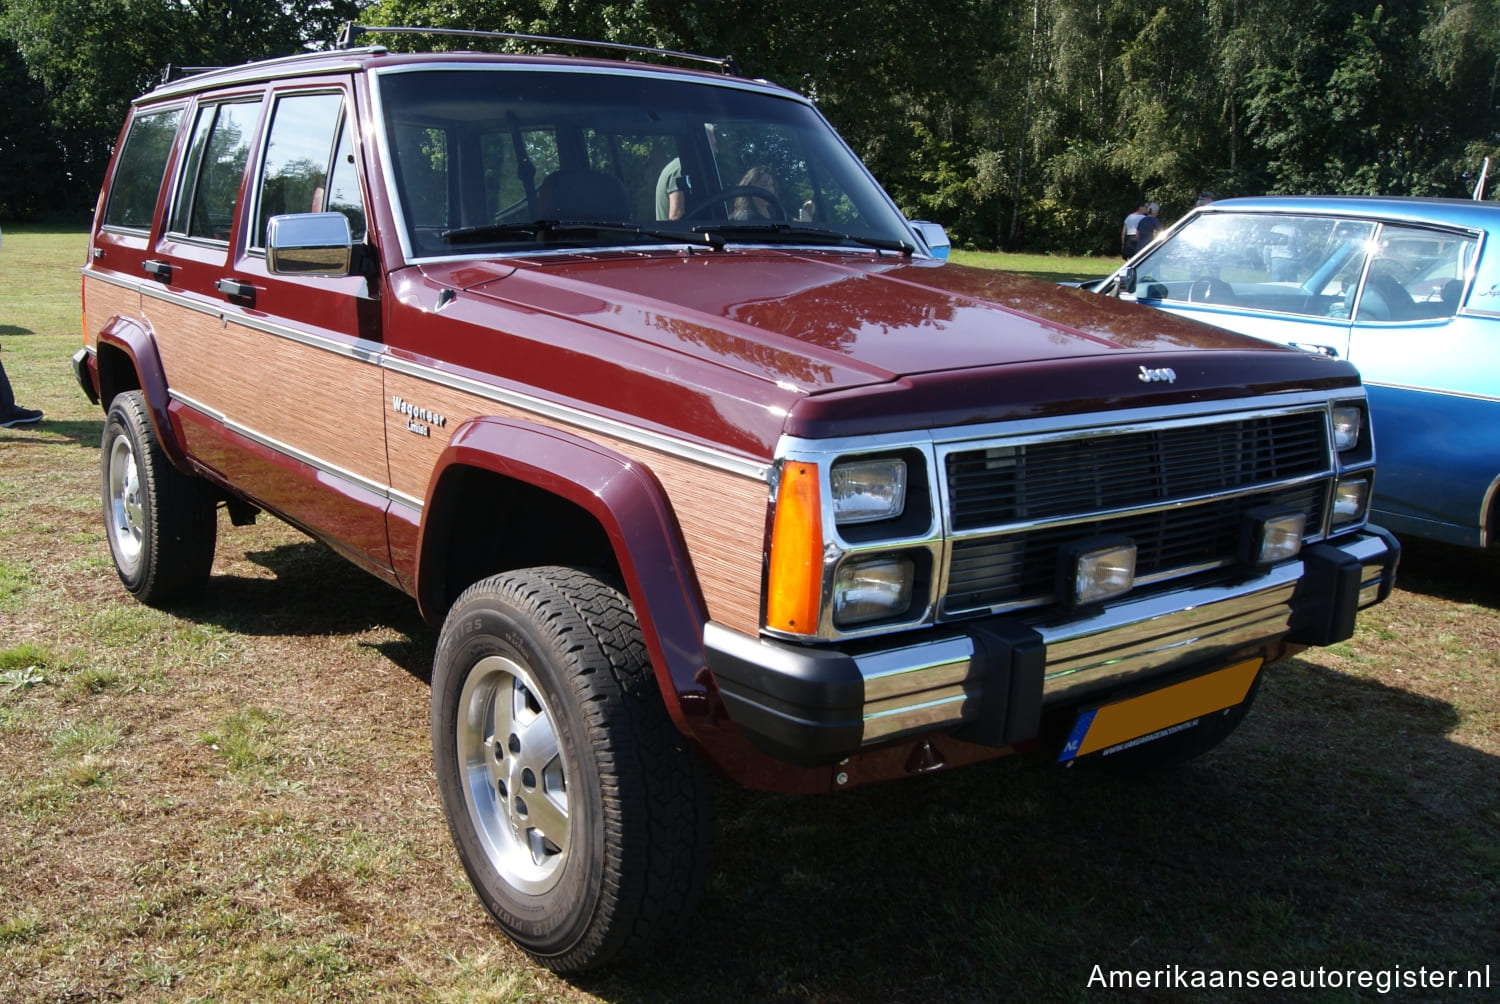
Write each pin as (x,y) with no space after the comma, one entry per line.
(1415,274)
(209,187)
(131,204)
(309,163)
(344,195)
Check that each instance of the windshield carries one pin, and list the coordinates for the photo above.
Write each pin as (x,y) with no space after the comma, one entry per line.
(524,160)
(1319,266)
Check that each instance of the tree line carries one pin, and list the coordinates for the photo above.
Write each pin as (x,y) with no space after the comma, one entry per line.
(1018,124)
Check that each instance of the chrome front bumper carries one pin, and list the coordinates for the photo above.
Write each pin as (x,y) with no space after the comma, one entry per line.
(990,679)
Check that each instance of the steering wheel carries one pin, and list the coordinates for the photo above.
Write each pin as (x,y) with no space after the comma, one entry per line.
(728,195)
(1210,291)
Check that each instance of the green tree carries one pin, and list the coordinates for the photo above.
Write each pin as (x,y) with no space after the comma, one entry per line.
(91,57)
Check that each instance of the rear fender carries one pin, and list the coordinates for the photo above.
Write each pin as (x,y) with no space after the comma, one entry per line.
(127,359)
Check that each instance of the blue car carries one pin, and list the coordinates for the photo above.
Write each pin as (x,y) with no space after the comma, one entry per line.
(1406,289)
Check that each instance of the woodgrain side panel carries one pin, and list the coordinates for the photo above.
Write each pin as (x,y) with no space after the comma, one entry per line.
(104,300)
(320,403)
(722,515)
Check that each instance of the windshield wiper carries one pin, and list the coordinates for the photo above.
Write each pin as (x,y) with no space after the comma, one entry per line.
(793,234)
(539,230)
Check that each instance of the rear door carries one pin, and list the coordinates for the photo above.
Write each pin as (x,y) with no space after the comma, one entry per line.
(1429,362)
(121,242)
(277,378)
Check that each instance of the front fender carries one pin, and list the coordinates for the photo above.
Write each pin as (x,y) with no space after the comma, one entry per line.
(627,501)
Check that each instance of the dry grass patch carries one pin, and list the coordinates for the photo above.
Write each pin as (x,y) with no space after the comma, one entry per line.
(233,800)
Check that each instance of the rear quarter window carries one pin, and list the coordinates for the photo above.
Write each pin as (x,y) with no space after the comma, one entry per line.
(1486,295)
(142,162)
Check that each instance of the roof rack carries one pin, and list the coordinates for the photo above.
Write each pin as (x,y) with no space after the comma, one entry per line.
(171,73)
(352,31)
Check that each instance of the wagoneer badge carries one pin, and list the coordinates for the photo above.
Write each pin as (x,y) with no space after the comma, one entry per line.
(1164,375)
(420,420)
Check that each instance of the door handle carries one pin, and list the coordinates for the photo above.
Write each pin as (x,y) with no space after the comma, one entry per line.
(157,269)
(235,289)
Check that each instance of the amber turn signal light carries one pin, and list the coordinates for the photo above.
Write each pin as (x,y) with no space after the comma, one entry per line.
(794,589)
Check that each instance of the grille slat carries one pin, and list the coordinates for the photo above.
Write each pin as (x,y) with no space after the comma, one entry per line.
(992,488)
(1008,484)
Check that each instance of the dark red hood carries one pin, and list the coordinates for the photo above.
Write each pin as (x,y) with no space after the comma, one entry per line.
(828,322)
(756,343)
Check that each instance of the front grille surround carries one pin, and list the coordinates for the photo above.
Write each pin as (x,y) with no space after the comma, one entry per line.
(1000,501)
(1178,489)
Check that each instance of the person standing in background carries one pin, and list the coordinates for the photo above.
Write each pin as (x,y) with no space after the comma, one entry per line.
(1148,226)
(10,413)
(1129,234)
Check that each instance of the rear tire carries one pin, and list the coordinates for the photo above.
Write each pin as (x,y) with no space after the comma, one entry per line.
(578,811)
(161,523)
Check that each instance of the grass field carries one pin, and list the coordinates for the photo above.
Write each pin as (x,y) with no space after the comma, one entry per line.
(233,800)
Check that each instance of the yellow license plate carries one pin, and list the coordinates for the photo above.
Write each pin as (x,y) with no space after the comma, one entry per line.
(1160,712)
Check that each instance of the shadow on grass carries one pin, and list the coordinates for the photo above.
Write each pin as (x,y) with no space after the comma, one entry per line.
(1338,828)
(1460,574)
(316,592)
(47,432)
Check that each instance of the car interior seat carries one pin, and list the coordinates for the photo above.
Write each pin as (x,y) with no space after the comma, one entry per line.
(582,195)
(1451,293)
(1385,299)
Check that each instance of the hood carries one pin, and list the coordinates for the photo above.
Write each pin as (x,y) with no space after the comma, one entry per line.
(828,322)
(763,342)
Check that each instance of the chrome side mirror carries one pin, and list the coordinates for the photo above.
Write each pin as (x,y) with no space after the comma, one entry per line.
(309,244)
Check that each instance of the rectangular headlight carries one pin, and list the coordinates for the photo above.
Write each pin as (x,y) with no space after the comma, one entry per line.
(1351,500)
(1346,422)
(1270,535)
(866,491)
(872,588)
(1091,571)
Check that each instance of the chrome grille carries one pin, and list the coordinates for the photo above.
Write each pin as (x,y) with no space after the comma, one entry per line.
(1194,483)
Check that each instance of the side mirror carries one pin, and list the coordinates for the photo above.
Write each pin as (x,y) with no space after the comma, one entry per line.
(933,236)
(309,244)
(1127,280)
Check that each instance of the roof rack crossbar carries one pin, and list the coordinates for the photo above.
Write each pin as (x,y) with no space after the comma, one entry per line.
(352,31)
(172,72)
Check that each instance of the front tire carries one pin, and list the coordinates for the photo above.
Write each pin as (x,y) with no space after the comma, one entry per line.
(161,523)
(578,812)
